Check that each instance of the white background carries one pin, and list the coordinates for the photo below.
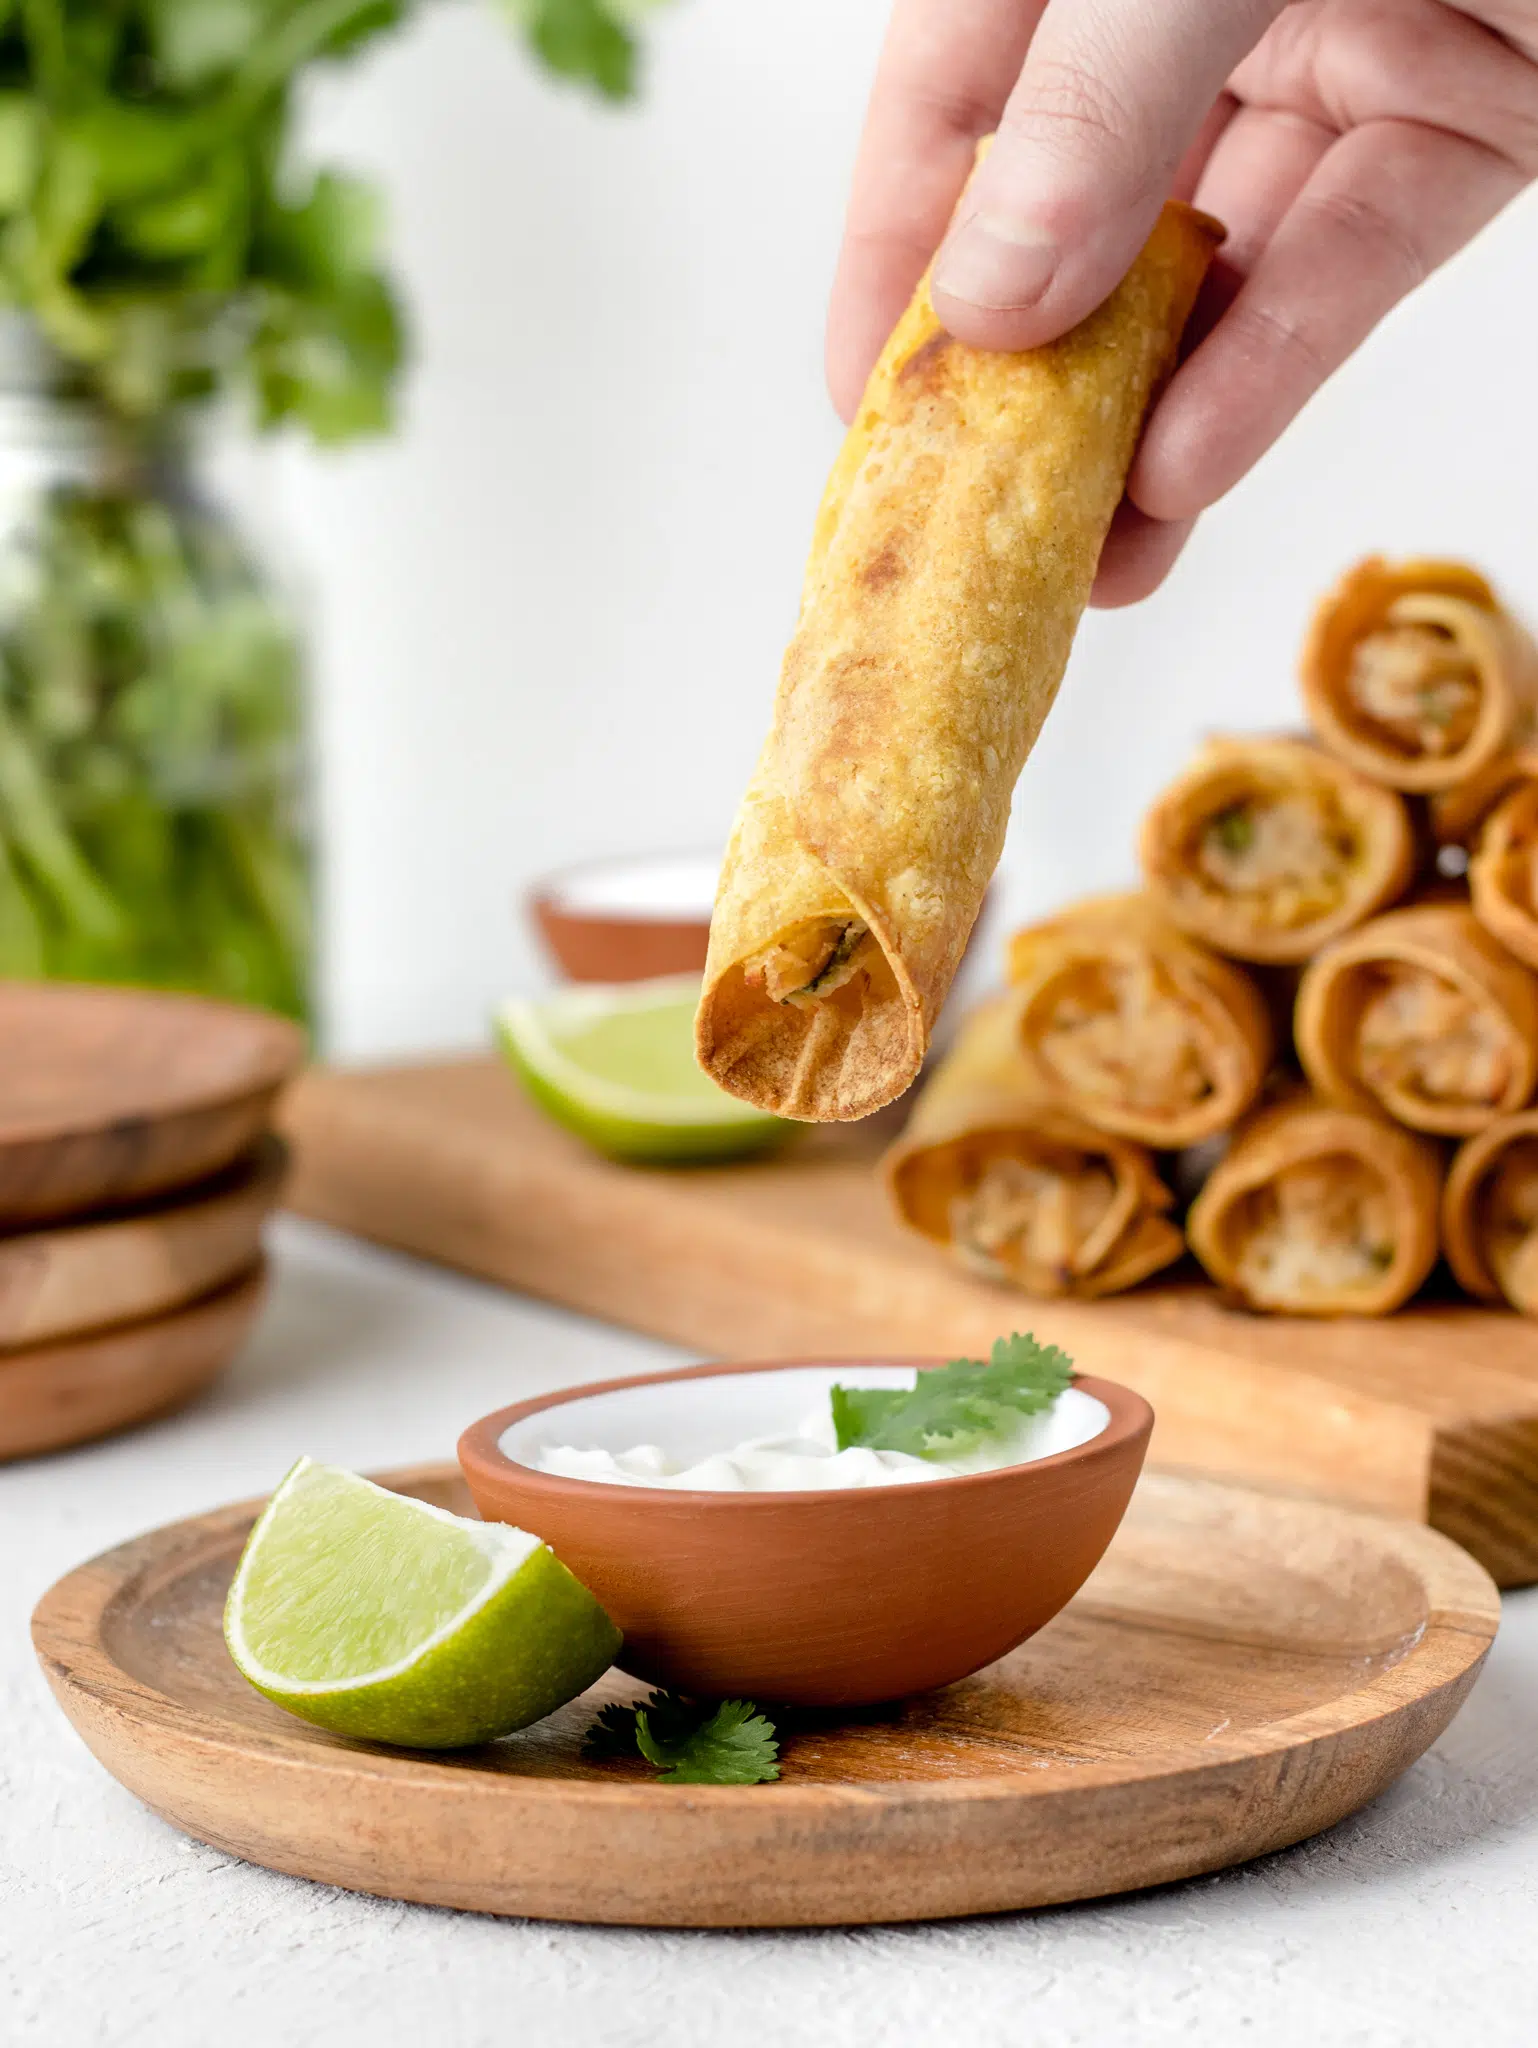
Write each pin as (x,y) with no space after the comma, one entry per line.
(549,612)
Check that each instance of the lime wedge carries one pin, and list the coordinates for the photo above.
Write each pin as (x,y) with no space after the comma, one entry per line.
(378,1616)
(616,1065)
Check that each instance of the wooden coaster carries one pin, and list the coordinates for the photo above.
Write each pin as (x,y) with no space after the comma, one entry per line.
(60,1394)
(1240,1672)
(1431,1413)
(113,1095)
(71,1278)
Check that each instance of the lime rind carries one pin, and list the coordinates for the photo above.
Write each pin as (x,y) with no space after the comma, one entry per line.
(630,1124)
(530,1638)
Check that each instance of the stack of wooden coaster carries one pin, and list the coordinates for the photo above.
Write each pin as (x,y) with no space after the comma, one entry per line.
(137,1167)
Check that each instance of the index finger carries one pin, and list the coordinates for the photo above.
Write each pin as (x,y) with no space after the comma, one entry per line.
(946,71)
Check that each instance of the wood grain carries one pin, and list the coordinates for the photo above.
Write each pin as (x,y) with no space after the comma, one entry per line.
(65,1280)
(1430,1414)
(1240,1672)
(55,1395)
(114,1095)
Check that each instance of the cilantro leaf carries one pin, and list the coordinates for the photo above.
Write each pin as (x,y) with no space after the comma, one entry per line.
(690,1742)
(612,1734)
(953,1408)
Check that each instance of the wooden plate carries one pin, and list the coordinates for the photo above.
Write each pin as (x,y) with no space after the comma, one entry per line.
(111,1095)
(63,1281)
(1240,1672)
(60,1394)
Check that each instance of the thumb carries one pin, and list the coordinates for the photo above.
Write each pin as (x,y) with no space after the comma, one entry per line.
(1111,97)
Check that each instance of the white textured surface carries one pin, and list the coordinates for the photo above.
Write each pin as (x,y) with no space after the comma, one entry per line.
(1411,1924)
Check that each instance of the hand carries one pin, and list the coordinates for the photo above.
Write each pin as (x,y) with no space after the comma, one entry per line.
(1350,146)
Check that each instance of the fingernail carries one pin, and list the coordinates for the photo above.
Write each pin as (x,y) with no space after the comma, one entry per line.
(999,264)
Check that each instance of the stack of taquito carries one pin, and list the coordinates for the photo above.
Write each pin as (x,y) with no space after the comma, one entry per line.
(1320,1008)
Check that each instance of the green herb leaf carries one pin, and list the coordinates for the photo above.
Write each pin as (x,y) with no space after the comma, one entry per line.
(612,1735)
(1234,829)
(582,39)
(953,1408)
(688,1741)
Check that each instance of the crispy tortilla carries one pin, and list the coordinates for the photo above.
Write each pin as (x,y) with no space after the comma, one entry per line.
(952,558)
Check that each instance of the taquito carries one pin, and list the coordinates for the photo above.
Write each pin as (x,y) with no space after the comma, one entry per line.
(1268,848)
(1414,673)
(952,556)
(1021,1190)
(1137,1028)
(1503,870)
(1319,1211)
(1490,1213)
(1422,1014)
(1455,815)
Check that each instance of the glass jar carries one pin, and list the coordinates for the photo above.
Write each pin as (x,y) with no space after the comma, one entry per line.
(153,822)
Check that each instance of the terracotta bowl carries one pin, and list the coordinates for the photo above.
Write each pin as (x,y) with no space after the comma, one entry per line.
(836,1598)
(627,920)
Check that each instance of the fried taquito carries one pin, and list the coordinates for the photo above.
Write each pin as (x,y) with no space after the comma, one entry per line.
(1423,1015)
(1490,1212)
(1319,1211)
(952,557)
(1133,1025)
(1503,867)
(1020,1190)
(1416,674)
(1268,848)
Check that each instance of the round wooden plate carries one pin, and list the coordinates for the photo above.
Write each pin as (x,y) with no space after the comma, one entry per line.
(60,1394)
(1240,1672)
(62,1281)
(112,1095)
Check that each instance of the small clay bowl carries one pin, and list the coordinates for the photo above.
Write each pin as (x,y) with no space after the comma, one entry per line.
(834,1598)
(627,920)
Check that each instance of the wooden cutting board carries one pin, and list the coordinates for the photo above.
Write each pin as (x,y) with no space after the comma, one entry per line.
(1240,1672)
(1430,1414)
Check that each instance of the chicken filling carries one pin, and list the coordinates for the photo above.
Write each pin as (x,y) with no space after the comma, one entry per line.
(1115,1032)
(1319,1231)
(1420,1036)
(1416,688)
(1287,855)
(811,963)
(1510,1217)
(1032,1218)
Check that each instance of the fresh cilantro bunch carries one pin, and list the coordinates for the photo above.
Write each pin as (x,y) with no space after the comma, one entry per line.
(155,224)
(954,1408)
(690,1742)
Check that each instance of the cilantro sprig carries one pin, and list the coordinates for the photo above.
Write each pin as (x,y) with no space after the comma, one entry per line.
(954,1408)
(689,1742)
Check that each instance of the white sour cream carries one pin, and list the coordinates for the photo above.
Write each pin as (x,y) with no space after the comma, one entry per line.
(808,1459)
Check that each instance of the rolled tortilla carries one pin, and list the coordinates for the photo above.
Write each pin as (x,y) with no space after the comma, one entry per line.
(1421,1014)
(1455,815)
(1490,1213)
(1503,869)
(1268,848)
(1319,1211)
(952,557)
(1020,1190)
(1137,1028)
(1415,674)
